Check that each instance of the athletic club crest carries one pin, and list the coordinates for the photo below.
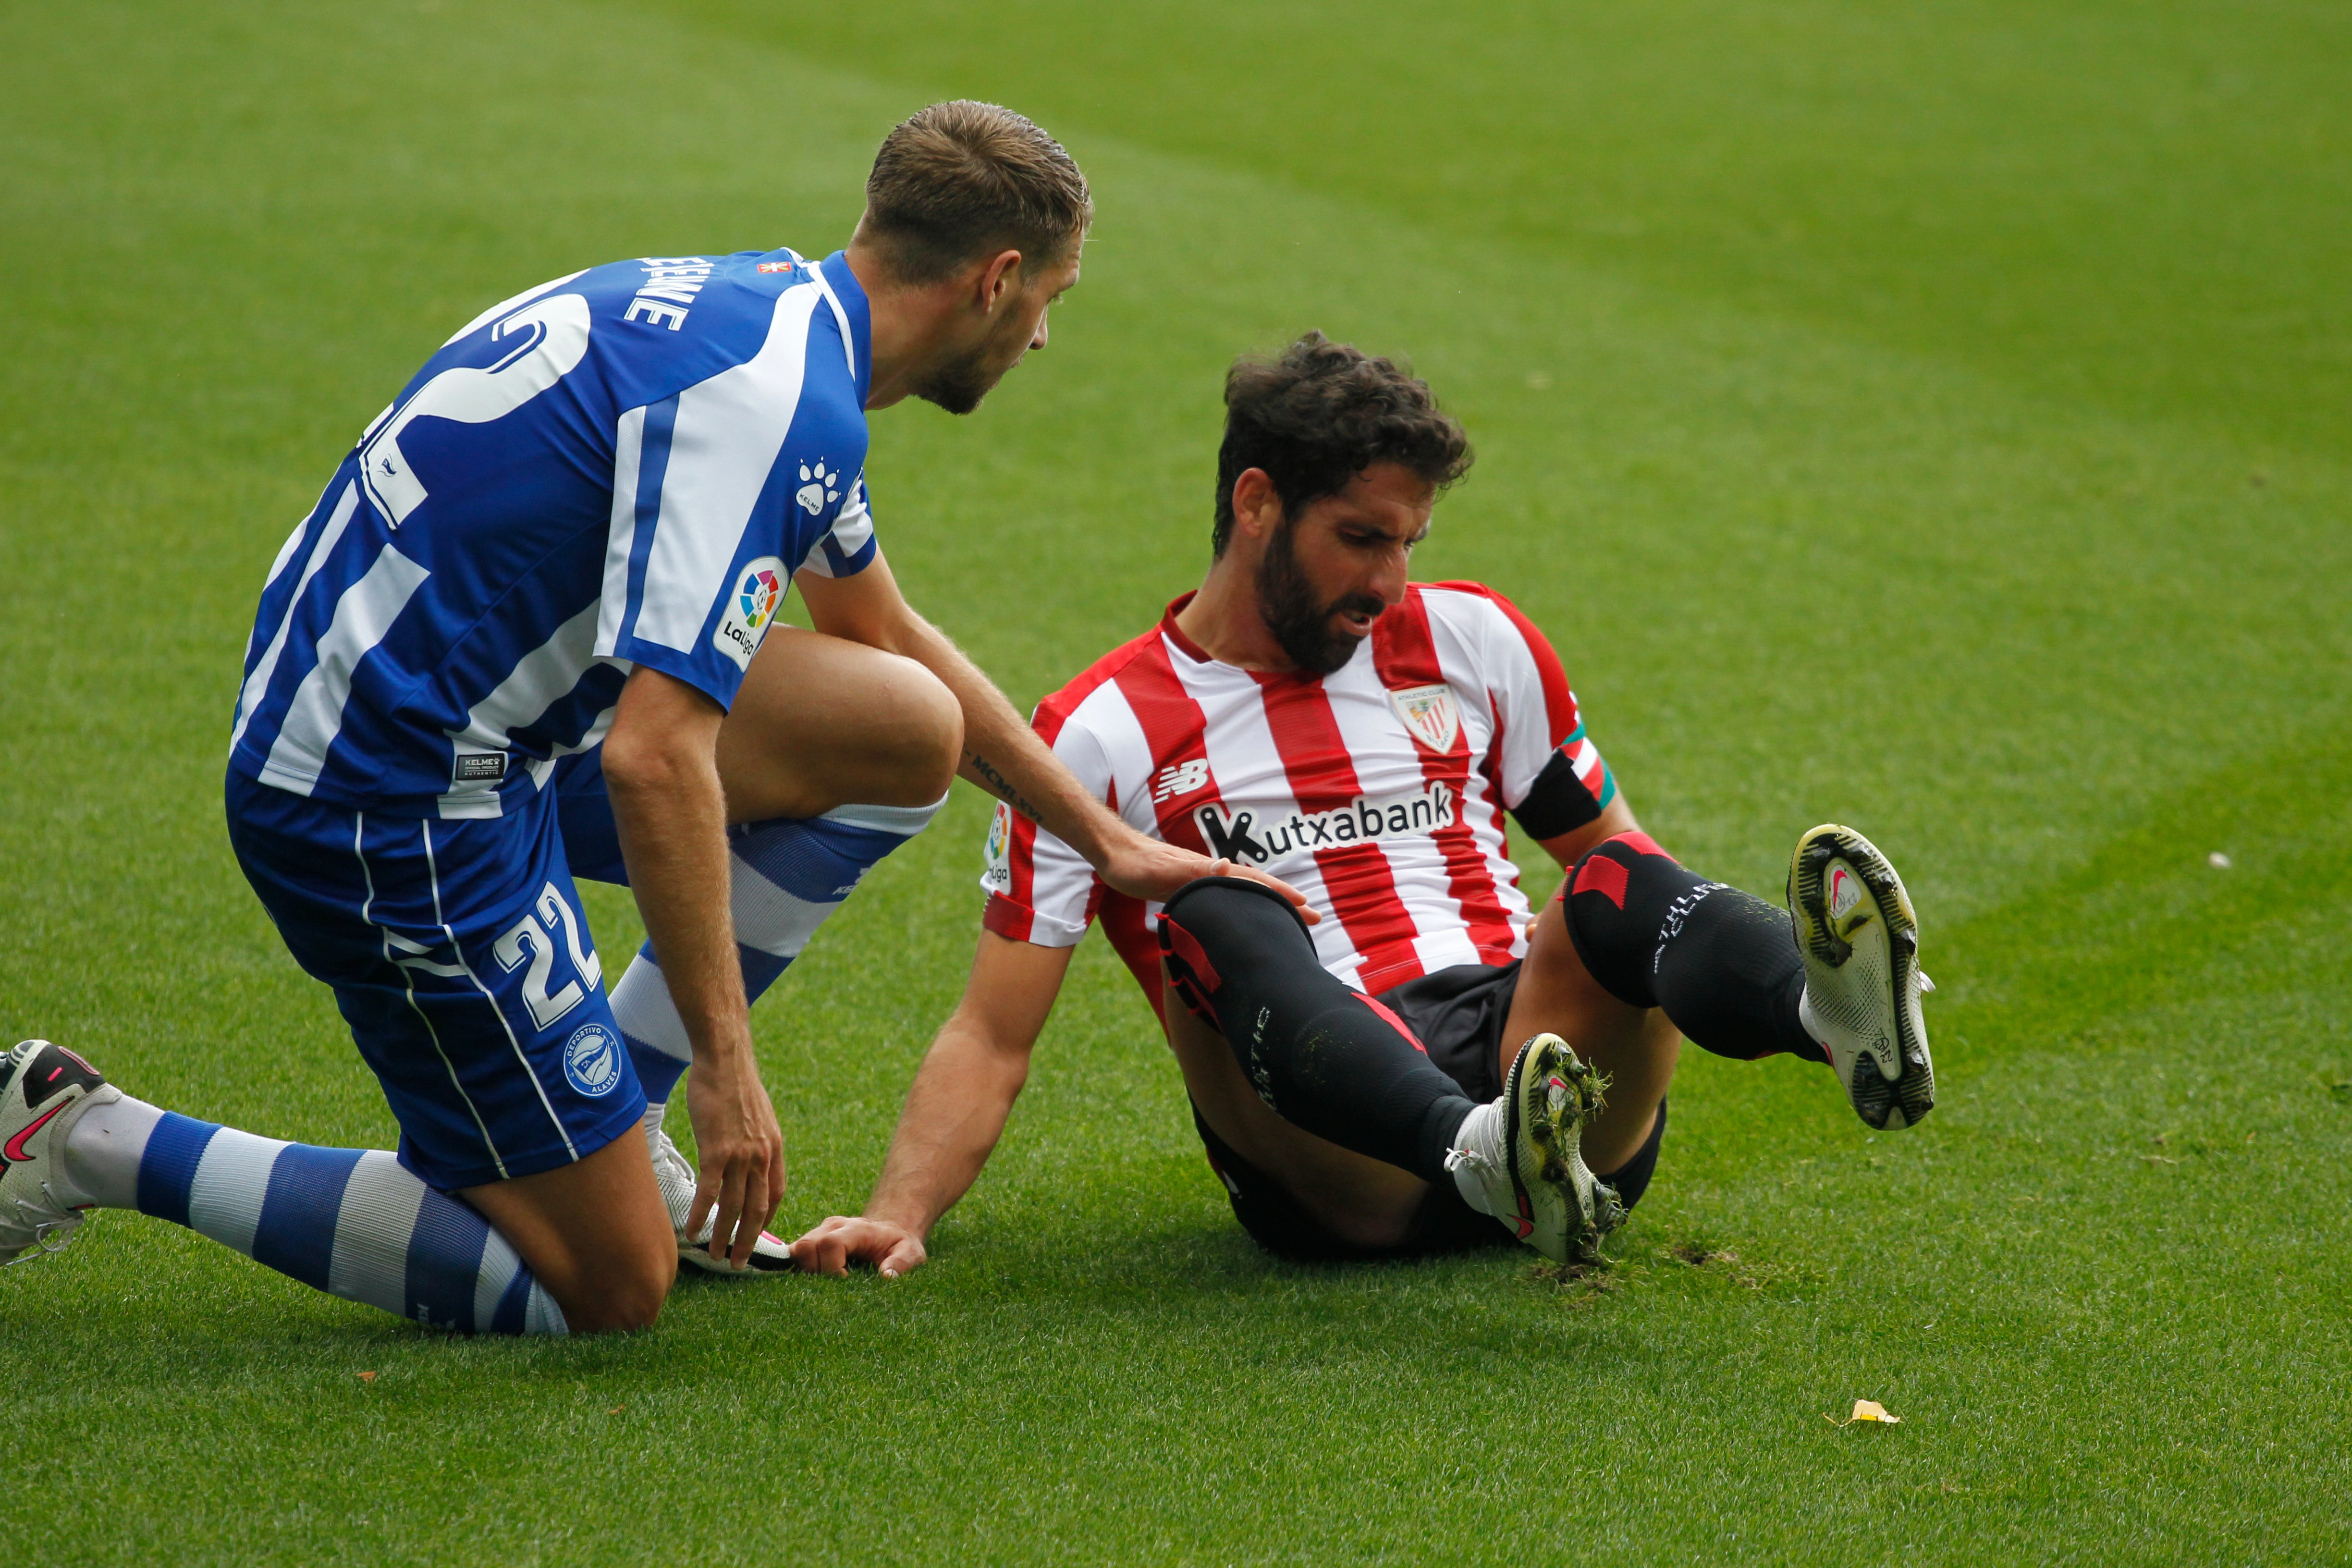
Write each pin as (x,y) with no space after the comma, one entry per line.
(1431,713)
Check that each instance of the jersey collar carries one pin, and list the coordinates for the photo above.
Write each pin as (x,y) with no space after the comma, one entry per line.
(846,288)
(1198,655)
(1175,633)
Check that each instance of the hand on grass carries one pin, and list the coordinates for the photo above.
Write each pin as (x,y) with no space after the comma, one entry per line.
(742,1154)
(841,1241)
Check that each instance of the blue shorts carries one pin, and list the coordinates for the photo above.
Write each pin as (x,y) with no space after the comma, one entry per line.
(461,959)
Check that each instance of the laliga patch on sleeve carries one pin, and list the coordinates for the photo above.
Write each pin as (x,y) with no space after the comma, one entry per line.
(998,879)
(750,610)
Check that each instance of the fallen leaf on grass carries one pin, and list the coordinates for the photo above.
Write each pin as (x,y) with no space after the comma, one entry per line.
(616,1410)
(367,1377)
(1864,1410)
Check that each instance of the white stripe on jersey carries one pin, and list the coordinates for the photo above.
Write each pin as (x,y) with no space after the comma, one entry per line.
(363,616)
(722,447)
(628,454)
(549,672)
(258,682)
(853,526)
(1386,764)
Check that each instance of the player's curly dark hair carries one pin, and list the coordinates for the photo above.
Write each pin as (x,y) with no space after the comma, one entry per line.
(1322,413)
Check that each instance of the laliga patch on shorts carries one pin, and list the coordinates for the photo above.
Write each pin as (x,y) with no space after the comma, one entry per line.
(1431,713)
(592,1060)
(750,609)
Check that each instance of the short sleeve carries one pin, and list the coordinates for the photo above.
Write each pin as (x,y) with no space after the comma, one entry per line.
(695,564)
(1041,891)
(848,547)
(1553,778)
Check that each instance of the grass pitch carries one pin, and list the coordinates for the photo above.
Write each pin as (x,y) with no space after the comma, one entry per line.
(1935,418)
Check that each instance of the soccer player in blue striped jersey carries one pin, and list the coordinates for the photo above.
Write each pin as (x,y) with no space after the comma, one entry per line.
(528,634)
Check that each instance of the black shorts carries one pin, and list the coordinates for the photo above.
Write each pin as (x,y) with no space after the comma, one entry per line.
(1458,1014)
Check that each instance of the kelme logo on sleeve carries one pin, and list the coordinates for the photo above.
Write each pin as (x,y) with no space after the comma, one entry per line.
(750,610)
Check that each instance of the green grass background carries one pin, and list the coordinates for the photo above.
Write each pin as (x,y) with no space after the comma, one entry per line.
(1933,418)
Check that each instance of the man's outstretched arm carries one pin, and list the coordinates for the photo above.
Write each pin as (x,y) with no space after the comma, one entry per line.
(954,1113)
(1003,755)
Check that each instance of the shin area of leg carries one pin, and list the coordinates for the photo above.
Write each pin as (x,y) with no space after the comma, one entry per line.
(1721,962)
(1327,1059)
(351,1222)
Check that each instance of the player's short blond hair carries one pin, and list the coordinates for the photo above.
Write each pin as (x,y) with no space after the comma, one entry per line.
(962,180)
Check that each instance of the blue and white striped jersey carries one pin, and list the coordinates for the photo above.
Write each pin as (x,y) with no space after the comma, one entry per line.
(623,467)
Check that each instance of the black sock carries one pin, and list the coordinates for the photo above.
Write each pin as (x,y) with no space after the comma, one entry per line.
(1632,1179)
(1723,963)
(1327,1059)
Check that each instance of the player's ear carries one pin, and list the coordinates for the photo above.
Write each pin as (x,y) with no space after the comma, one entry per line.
(1257,510)
(1000,279)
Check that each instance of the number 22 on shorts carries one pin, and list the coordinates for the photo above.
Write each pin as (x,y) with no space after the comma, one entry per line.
(530,939)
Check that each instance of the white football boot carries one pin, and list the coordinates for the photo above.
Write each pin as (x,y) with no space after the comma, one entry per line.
(770,1254)
(1860,941)
(1523,1154)
(42,1087)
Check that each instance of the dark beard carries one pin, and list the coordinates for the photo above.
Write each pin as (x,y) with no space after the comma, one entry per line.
(1298,622)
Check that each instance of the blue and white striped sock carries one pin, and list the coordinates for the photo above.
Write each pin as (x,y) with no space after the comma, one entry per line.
(351,1222)
(788,875)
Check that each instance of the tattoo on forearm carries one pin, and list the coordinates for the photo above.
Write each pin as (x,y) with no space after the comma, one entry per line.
(983,773)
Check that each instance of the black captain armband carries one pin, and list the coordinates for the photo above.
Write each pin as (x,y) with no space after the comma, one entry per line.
(1574,788)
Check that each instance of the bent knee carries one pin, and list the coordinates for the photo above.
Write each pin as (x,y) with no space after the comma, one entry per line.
(624,1298)
(935,733)
(922,745)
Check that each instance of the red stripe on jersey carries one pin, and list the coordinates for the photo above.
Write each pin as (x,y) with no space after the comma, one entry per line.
(1176,730)
(1010,913)
(1405,655)
(1559,702)
(1356,876)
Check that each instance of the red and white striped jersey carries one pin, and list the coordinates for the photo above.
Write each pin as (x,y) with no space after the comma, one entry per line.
(1378,791)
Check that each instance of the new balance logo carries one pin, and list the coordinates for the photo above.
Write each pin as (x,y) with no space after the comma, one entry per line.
(1181,779)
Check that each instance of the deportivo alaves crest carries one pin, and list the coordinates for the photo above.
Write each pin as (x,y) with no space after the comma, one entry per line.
(1239,836)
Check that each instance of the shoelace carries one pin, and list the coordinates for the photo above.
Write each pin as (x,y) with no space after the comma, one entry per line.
(1457,1158)
(55,1220)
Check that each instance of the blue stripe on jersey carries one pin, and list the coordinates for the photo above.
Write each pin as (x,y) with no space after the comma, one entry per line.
(653,467)
(296,1233)
(167,1169)
(474,525)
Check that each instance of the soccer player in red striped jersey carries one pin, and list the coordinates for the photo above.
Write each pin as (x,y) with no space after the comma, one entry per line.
(1433,1056)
